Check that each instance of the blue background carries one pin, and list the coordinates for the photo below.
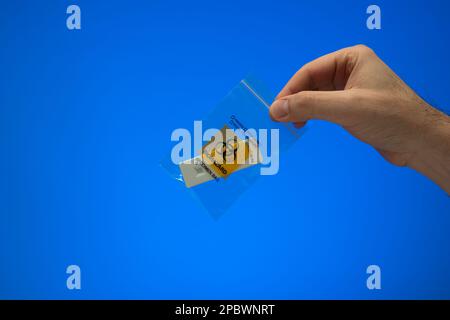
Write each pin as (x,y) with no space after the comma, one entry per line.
(86,115)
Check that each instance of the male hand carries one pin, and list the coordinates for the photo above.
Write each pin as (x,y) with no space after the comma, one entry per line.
(355,89)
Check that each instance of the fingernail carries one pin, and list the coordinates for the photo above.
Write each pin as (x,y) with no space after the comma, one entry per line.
(280,109)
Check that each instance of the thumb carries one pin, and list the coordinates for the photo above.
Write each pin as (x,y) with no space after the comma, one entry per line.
(333,106)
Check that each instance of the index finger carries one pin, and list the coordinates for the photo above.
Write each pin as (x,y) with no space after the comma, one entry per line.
(329,72)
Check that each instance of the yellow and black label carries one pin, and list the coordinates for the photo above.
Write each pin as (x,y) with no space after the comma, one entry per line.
(225,153)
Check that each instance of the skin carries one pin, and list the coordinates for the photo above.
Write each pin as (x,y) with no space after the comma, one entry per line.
(355,89)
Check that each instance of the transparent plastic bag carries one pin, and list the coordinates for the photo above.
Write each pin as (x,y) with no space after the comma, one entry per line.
(246,111)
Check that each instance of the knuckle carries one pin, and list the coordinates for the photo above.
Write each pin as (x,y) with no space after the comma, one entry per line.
(304,98)
(363,49)
(304,104)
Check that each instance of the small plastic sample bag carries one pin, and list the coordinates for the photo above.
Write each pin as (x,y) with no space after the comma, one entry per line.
(240,142)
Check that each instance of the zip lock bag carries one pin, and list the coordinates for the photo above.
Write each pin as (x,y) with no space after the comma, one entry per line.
(240,143)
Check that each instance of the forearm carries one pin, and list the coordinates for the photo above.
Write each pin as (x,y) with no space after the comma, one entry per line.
(433,160)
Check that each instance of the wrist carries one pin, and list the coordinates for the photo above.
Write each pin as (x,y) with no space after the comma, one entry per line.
(433,156)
